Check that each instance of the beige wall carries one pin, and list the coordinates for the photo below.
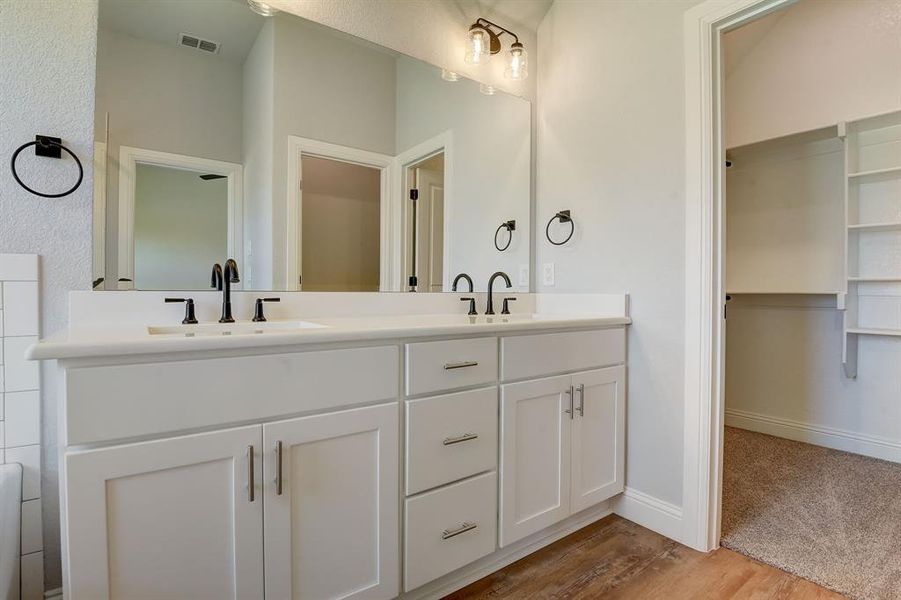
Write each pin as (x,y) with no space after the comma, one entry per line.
(811,65)
(340,226)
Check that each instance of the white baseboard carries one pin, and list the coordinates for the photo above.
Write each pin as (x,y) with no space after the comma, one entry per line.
(646,510)
(54,594)
(820,435)
(505,556)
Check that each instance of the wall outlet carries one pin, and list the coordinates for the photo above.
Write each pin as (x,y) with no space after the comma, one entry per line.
(523,279)
(547,274)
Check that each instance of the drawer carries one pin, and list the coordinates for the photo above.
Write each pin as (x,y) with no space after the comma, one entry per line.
(450,364)
(155,398)
(450,437)
(527,356)
(448,528)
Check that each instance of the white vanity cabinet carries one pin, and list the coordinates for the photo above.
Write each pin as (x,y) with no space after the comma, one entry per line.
(562,444)
(331,499)
(150,519)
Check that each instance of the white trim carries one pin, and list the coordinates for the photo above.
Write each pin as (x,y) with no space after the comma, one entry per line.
(98,215)
(508,555)
(129,158)
(704,341)
(646,510)
(443,142)
(820,435)
(298,146)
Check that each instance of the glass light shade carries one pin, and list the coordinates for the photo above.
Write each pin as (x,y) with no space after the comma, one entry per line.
(488,90)
(261,8)
(517,64)
(449,75)
(478,46)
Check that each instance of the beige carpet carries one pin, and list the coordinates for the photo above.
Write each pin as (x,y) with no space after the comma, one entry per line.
(828,516)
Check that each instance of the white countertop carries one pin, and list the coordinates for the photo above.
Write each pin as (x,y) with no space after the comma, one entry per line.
(93,342)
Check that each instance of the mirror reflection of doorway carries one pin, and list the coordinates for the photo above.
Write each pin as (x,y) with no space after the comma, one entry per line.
(340,226)
(425,225)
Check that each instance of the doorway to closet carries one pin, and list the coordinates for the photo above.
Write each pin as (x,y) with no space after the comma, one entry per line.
(812,440)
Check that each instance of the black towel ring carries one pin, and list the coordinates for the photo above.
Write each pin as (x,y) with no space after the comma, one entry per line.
(510,226)
(564,217)
(44,143)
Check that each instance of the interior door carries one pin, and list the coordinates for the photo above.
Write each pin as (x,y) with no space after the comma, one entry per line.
(598,431)
(332,503)
(430,259)
(171,518)
(535,448)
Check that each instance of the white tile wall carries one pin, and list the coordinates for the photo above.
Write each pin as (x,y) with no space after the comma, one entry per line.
(20,405)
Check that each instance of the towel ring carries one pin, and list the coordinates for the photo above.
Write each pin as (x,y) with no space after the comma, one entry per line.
(510,226)
(45,144)
(564,216)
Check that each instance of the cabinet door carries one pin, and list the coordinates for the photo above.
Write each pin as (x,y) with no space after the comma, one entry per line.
(331,526)
(171,518)
(598,436)
(535,447)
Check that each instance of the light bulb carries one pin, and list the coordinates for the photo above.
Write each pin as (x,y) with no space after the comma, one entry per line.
(478,47)
(517,67)
(449,75)
(488,90)
(261,8)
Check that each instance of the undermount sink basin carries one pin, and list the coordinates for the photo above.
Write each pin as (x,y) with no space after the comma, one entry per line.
(244,328)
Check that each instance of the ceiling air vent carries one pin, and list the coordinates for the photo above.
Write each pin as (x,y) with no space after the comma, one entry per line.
(192,41)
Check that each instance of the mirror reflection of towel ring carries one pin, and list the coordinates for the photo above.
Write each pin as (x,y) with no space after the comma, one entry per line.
(564,216)
(510,226)
(45,146)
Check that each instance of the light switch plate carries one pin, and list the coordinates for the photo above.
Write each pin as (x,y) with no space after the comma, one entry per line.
(523,275)
(547,274)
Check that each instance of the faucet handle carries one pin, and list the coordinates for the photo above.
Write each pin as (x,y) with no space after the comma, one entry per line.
(506,309)
(189,319)
(258,315)
(472,305)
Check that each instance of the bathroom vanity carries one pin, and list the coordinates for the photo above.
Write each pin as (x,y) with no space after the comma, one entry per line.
(353,457)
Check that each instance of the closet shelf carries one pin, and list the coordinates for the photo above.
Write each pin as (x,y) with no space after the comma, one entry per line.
(875,227)
(875,172)
(872,331)
(875,279)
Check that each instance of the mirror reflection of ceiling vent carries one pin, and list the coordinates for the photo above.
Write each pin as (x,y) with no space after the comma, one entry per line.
(192,41)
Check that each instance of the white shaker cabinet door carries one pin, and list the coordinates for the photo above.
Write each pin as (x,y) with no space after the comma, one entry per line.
(535,463)
(172,518)
(598,436)
(332,504)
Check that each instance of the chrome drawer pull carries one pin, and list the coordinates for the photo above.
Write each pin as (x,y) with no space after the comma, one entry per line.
(581,407)
(449,533)
(460,365)
(460,438)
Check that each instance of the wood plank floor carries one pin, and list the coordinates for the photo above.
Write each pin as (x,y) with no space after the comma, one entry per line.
(615,558)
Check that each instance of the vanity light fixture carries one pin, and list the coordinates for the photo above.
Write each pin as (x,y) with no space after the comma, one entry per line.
(484,40)
(488,90)
(261,8)
(449,75)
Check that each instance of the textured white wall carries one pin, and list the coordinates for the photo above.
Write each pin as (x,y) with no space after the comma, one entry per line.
(47,55)
(810,65)
(611,147)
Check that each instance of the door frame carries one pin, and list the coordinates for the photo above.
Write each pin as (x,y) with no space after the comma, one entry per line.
(98,213)
(704,26)
(443,142)
(129,157)
(297,147)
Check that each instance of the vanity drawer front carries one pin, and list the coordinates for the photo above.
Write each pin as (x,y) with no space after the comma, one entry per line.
(448,528)
(528,356)
(450,364)
(450,437)
(124,401)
